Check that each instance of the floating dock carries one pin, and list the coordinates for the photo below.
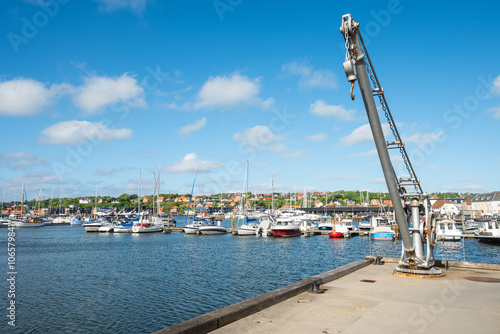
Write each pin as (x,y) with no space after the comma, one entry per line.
(366,298)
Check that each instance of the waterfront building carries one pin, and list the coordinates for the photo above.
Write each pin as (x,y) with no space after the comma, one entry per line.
(488,204)
(445,207)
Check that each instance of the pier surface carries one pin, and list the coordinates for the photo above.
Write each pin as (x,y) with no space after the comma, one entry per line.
(370,298)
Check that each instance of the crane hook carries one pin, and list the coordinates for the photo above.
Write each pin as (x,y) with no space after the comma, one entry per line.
(352,88)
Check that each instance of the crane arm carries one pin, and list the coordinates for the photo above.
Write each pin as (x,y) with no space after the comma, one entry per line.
(358,67)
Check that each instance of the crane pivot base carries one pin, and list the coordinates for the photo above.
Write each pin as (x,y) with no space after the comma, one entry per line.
(418,273)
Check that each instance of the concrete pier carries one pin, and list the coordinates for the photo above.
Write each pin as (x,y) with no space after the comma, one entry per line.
(363,297)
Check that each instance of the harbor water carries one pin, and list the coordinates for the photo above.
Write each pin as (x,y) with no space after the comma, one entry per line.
(70,281)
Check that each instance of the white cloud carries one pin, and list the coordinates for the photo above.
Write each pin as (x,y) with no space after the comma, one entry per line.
(20,160)
(98,92)
(257,137)
(364,154)
(422,138)
(136,6)
(379,180)
(317,137)
(261,137)
(231,91)
(320,108)
(105,171)
(72,132)
(24,97)
(186,130)
(309,77)
(495,111)
(465,188)
(191,163)
(347,177)
(496,86)
(362,134)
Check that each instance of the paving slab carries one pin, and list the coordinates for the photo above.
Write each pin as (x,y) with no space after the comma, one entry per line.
(374,300)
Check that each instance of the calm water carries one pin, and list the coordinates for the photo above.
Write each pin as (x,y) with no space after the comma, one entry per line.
(70,281)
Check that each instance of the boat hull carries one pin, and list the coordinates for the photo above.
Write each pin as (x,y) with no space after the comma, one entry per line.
(247,230)
(286,233)
(334,234)
(25,224)
(141,229)
(212,230)
(122,229)
(382,236)
(92,227)
(74,221)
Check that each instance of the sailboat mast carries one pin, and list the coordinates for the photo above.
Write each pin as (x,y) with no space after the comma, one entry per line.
(139,193)
(22,201)
(3,199)
(190,198)
(246,193)
(60,203)
(154,191)
(272,194)
(95,204)
(50,203)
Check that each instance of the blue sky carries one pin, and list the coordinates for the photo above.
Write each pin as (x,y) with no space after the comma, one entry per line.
(92,90)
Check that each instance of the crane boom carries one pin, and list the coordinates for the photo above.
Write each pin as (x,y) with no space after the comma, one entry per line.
(408,207)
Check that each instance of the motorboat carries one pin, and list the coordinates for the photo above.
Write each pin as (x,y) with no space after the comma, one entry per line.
(146,227)
(95,225)
(123,226)
(382,229)
(470,226)
(210,228)
(325,223)
(447,230)
(265,225)
(194,227)
(489,232)
(286,227)
(339,230)
(365,225)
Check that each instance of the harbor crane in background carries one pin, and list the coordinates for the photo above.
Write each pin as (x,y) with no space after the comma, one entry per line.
(411,205)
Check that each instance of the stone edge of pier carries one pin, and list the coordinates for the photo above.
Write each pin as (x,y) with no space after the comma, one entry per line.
(219,318)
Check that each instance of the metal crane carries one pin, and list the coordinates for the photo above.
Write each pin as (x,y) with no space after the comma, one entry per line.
(412,209)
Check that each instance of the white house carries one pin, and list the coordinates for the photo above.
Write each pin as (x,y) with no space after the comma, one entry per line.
(445,207)
(85,200)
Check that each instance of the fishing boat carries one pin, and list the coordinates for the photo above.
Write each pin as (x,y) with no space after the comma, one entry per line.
(286,227)
(489,232)
(26,221)
(382,229)
(447,230)
(339,230)
(211,228)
